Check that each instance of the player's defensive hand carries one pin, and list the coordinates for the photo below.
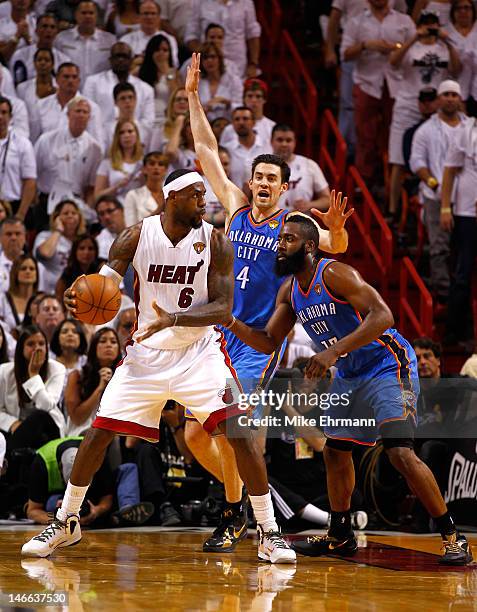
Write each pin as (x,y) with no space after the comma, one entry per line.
(320,363)
(336,215)
(193,74)
(164,319)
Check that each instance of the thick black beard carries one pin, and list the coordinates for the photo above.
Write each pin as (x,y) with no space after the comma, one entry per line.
(291,264)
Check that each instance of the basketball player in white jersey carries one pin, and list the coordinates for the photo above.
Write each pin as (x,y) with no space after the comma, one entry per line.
(184,284)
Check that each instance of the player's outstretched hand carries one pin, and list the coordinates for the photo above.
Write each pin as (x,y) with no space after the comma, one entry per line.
(193,74)
(320,363)
(164,319)
(336,215)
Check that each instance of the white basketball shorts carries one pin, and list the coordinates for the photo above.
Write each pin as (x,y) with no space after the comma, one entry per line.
(199,376)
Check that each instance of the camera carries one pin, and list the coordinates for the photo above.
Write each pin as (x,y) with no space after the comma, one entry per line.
(433,31)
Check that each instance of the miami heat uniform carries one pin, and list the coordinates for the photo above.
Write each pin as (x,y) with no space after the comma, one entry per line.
(377,382)
(187,364)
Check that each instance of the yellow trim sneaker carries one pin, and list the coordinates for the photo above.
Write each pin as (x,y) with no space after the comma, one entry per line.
(231,530)
(456,550)
(272,547)
(315,546)
(58,534)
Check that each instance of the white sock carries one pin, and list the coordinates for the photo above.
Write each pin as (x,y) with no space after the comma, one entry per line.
(72,500)
(263,510)
(314,515)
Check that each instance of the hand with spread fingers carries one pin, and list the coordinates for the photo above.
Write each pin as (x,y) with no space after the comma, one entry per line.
(69,297)
(336,216)
(164,320)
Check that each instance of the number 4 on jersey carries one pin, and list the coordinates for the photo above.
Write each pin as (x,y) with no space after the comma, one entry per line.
(242,276)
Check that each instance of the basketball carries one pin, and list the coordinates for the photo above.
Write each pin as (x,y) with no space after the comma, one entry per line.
(97,299)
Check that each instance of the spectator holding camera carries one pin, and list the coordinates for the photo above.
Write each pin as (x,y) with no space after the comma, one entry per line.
(425,60)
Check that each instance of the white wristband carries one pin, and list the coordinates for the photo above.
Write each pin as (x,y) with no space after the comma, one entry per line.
(107,271)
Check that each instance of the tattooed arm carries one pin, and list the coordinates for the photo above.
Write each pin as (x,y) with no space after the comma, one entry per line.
(220,284)
(121,254)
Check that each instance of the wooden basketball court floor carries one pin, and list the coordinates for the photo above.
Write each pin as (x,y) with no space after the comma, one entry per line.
(165,569)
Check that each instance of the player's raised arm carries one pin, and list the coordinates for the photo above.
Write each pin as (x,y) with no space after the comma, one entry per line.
(346,283)
(335,238)
(230,196)
(121,254)
(278,327)
(220,284)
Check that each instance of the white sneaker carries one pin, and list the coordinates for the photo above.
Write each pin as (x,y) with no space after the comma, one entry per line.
(272,547)
(359,519)
(57,535)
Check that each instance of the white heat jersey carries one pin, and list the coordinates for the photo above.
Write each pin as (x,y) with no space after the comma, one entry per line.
(173,276)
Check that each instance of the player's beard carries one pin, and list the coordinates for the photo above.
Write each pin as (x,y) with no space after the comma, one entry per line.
(291,264)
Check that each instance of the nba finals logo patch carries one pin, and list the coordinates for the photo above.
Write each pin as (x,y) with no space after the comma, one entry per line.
(273,224)
(317,288)
(199,247)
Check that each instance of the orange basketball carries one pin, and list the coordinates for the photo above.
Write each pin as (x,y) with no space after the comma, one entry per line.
(97,299)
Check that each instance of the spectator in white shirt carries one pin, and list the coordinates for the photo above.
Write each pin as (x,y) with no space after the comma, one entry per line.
(18,29)
(22,63)
(247,146)
(255,93)
(18,168)
(121,170)
(111,216)
(430,144)
(68,158)
(369,38)
(23,285)
(125,99)
(460,169)
(174,16)
(124,17)
(52,247)
(19,120)
(41,86)
(12,241)
(86,45)
(219,91)
(99,87)
(462,31)
(30,390)
(425,60)
(178,105)
(158,72)
(242,30)
(180,148)
(147,200)
(307,187)
(150,20)
(50,314)
(214,33)
(52,111)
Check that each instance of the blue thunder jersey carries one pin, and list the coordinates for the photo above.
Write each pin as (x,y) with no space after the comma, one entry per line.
(376,383)
(326,319)
(255,249)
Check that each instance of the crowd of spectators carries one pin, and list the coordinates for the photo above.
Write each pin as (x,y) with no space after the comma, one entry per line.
(93,116)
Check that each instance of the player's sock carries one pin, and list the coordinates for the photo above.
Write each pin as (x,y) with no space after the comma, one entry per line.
(340,525)
(445,524)
(314,515)
(263,509)
(72,500)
